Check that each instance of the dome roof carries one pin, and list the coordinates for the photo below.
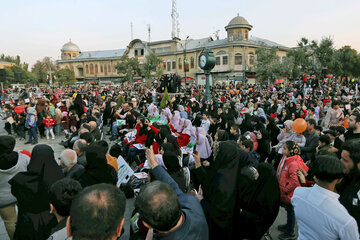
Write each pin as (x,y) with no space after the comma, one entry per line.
(70,47)
(238,22)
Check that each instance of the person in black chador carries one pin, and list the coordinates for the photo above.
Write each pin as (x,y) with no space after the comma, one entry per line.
(31,189)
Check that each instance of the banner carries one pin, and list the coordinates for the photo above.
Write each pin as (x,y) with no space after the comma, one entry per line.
(124,172)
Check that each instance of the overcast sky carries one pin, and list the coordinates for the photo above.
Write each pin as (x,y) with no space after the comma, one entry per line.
(39,28)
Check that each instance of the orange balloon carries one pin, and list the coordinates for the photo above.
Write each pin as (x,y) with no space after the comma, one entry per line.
(237,91)
(231,92)
(346,123)
(299,125)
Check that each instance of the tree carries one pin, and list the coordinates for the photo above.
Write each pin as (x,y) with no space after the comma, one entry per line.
(346,62)
(130,67)
(268,64)
(165,100)
(151,67)
(299,58)
(65,77)
(322,55)
(42,68)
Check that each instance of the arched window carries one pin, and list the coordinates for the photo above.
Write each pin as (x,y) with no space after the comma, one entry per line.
(251,58)
(238,59)
(101,68)
(91,68)
(221,53)
(192,62)
(180,63)
(109,69)
(168,66)
(87,69)
(96,69)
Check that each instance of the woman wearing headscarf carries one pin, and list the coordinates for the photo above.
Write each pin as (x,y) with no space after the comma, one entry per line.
(174,122)
(11,163)
(202,143)
(263,149)
(288,180)
(184,137)
(97,170)
(31,189)
(220,185)
(259,201)
(272,129)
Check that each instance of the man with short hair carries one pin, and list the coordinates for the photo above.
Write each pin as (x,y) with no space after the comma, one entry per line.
(164,208)
(61,195)
(80,147)
(94,130)
(68,159)
(354,127)
(312,141)
(97,213)
(318,211)
(349,188)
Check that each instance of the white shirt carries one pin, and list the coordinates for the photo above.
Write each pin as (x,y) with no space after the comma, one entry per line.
(320,215)
(205,124)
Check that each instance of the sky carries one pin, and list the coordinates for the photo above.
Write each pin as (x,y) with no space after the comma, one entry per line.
(39,28)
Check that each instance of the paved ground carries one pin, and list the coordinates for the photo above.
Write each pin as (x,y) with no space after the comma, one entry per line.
(281,219)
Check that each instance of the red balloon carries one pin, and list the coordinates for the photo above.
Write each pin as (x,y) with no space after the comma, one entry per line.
(346,123)
(299,125)
(19,109)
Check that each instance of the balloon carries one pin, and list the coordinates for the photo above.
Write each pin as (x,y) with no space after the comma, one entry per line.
(299,125)
(19,109)
(282,85)
(231,92)
(237,91)
(346,123)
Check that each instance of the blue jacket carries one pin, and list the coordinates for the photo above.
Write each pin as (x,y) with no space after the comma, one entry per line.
(194,225)
(31,118)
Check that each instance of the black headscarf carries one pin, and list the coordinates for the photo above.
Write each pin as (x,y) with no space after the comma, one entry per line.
(8,158)
(97,170)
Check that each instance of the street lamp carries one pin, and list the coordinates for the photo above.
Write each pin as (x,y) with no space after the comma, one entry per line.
(50,80)
(185,58)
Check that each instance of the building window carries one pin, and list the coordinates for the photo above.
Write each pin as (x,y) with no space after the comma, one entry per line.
(251,58)
(180,63)
(136,52)
(91,68)
(81,72)
(192,62)
(217,61)
(96,68)
(186,64)
(225,60)
(164,65)
(109,69)
(174,65)
(168,65)
(142,52)
(101,68)
(87,69)
(238,59)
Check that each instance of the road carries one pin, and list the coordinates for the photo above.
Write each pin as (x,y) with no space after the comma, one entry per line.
(281,219)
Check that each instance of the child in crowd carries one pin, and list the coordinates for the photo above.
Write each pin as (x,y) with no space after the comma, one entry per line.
(65,123)
(205,123)
(49,122)
(300,139)
(324,146)
(58,117)
(20,126)
(73,120)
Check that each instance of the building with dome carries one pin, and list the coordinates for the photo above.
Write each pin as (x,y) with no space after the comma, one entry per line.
(235,56)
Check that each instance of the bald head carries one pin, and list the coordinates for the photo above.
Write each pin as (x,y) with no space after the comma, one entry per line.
(68,158)
(92,125)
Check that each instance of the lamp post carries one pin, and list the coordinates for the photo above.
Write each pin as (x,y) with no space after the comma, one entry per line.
(50,74)
(185,58)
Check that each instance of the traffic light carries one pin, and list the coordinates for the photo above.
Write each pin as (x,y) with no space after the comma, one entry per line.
(2,75)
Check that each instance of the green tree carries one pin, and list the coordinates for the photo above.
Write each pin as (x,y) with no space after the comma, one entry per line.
(299,59)
(151,67)
(65,77)
(322,55)
(129,67)
(42,68)
(346,62)
(165,100)
(267,64)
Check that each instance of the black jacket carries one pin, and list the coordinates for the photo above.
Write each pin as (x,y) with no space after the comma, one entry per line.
(349,190)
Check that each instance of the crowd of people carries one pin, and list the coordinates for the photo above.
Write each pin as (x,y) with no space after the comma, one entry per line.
(217,168)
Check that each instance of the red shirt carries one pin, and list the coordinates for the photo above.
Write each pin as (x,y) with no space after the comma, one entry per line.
(183,140)
(49,122)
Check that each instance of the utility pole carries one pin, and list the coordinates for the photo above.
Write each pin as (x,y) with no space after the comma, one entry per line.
(185,63)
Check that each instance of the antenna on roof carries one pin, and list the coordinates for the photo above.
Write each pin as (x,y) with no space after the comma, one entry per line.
(175,21)
(149,32)
(132,32)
